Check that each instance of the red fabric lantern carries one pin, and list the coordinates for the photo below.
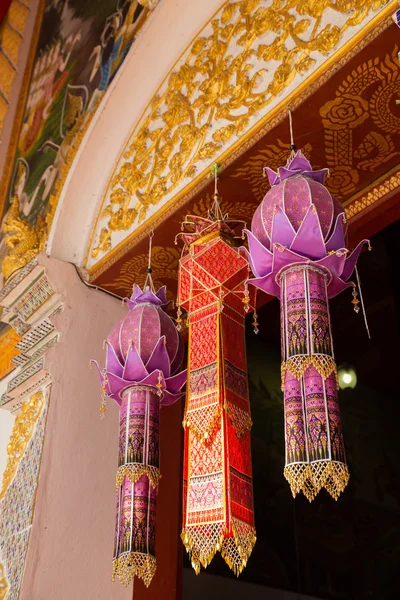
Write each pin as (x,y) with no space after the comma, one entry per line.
(218,492)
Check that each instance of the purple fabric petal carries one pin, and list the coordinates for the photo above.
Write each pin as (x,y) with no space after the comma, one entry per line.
(153,379)
(117,385)
(159,358)
(267,284)
(282,230)
(334,263)
(113,365)
(162,294)
(273,177)
(261,257)
(167,398)
(175,383)
(96,364)
(352,259)
(283,257)
(298,165)
(134,369)
(337,286)
(309,240)
(250,259)
(337,239)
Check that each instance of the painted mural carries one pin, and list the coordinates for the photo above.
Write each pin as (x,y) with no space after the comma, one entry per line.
(80,49)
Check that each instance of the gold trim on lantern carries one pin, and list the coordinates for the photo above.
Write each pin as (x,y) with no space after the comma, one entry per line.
(311,478)
(202,421)
(133,472)
(203,543)
(297,366)
(129,564)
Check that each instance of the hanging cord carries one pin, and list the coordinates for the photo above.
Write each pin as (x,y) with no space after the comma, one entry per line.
(292,144)
(362,302)
(215,211)
(148,284)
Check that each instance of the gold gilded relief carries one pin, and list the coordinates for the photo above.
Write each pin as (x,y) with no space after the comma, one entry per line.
(3,583)
(22,240)
(349,110)
(20,436)
(11,37)
(219,86)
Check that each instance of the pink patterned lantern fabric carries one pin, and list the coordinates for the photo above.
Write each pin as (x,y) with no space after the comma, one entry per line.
(144,354)
(297,252)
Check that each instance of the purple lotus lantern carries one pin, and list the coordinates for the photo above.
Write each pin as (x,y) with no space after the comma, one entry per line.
(144,354)
(297,251)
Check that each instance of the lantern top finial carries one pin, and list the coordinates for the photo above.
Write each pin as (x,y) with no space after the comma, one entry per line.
(296,165)
(147,295)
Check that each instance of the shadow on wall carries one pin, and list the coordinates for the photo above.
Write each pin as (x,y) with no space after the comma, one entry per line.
(213,587)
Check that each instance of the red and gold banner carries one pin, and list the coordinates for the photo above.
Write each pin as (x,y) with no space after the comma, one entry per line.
(218,510)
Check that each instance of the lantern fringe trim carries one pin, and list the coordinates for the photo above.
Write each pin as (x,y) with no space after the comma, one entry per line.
(133,472)
(311,478)
(240,419)
(202,543)
(297,366)
(129,564)
(195,421)
(203,421)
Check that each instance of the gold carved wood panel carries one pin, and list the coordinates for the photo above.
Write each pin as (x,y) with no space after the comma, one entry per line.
(245,60)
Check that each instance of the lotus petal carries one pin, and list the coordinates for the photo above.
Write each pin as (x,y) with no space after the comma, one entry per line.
(250,259)
(309,240)
(261,257)
(134,369)
(175,383)
(113,365)
(298,165)
(153,379)
(283,257)
(266,284)
(352,259)
(159,358)
(282,229)
(116,384)
(337,239)
(96,364)
(162,294)
(334,262)
(167,398)
(337,285)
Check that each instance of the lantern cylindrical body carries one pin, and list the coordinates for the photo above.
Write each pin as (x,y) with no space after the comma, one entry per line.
(218,491)
(137,479)
(315,456)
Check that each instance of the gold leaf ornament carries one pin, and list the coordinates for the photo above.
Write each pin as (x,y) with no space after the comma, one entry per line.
(21,434)
(219,86)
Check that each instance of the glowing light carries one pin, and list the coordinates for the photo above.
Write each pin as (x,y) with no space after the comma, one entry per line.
(347,377)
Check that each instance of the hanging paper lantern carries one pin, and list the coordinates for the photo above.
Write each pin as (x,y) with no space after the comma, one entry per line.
(218,491)
(297,251)
(144,355)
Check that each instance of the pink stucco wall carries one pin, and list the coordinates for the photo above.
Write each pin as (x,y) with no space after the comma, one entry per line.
(70,547)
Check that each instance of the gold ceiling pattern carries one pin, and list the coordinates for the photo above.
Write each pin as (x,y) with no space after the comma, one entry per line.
(250,53)
(340,126)
(11,38)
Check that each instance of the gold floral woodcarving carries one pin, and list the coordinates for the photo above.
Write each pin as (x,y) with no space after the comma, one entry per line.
(342,115)
(3,583)
(11,38)
(219,84)
(20,436)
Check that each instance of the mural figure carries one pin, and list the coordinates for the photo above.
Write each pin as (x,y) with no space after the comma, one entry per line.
(81,47)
